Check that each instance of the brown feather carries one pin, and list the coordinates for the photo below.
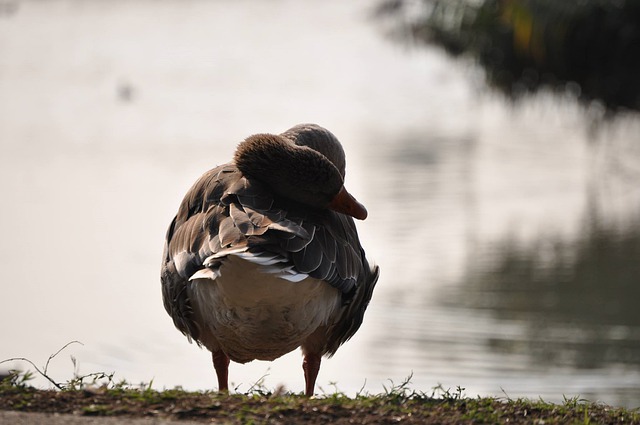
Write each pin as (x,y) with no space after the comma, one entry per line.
(227,211)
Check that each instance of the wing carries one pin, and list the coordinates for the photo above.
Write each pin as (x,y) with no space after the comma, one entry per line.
(225,213)
(352,314)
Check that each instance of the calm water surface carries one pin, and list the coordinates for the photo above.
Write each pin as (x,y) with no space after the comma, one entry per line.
(508,236)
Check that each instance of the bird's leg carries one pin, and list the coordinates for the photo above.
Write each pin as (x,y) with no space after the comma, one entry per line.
(221,365)
(311,367)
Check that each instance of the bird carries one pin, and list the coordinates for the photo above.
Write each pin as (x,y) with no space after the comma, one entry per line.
(263,255)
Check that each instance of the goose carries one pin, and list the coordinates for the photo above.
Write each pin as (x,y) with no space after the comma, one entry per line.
(263,255)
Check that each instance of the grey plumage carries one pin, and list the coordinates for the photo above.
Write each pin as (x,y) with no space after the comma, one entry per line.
(323,244)
(228,212)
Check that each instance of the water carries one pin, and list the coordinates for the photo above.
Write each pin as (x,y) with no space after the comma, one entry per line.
(507,235)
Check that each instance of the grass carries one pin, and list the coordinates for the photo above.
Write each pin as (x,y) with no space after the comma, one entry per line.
(98,394)
(398,404)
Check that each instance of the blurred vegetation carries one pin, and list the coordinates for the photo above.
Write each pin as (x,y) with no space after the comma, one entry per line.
(590,48)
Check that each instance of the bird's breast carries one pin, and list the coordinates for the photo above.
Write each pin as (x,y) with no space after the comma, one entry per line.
(254,314)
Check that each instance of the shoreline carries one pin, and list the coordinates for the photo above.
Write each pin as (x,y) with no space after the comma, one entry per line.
(121,404)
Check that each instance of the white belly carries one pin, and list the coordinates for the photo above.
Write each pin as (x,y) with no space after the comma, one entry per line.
(255,315)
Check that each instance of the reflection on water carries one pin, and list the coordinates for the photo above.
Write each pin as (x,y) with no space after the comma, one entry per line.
(587,283)
(577,301)
(517,270)
(492,277)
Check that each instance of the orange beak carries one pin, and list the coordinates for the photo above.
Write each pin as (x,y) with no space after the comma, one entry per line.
(344,203)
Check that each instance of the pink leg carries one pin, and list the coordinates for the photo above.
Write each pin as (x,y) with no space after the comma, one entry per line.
(311,367)
(221,365)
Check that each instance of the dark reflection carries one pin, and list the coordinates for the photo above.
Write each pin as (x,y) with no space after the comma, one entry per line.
(8,8)
(578,300)
(588,48)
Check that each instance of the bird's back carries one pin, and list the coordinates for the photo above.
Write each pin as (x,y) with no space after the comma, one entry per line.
(226,219)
